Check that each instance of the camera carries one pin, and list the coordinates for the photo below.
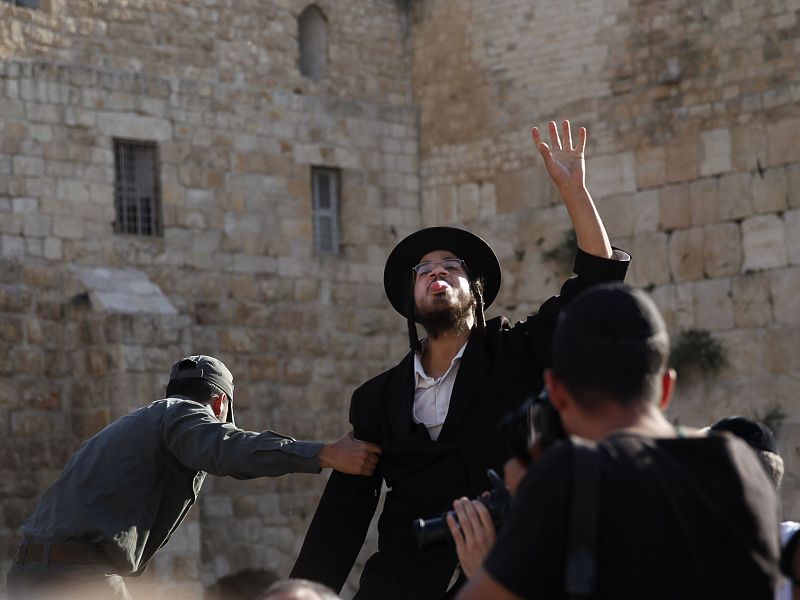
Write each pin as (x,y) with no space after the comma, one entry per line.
(535,415)
(534,418)
(433,534)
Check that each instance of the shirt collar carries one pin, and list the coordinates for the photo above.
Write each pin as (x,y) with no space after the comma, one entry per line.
(419,372)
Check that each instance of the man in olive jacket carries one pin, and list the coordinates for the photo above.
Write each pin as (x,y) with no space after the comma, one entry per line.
(127,489)
(435,413)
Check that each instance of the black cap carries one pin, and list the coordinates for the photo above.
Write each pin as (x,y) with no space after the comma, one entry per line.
(611,337)
(754,433)
(208,369)
(477,254)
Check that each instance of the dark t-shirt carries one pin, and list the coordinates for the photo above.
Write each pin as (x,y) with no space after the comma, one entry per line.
(678,519)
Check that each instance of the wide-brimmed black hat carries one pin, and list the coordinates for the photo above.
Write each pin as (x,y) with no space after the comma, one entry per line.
(480,260)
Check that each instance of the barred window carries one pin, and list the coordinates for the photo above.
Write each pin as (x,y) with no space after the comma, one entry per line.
(325,191)
(312,33)
(137,193)
(24,3)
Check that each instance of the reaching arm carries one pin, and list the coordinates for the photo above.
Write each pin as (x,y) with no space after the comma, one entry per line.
(567,168)
(349,455)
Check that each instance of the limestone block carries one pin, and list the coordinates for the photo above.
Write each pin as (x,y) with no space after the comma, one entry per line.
(716,152)
(783,285)
(52,249)
(686,254)
(618,215)
(11,224)
(782,146)
(734,198)
(763,243)
(722,253)
(612,174)
(68,228)
(468,202)
(793,185)
(682,160)
(792,220)
(674,207)
(133,126)
(36,226)
(651,167)
(782,354)
(703,197)
(523,189)
(651,266)
(12,246)
(712,304)
(769,190)
(72,190)
(488,201)
(32,167)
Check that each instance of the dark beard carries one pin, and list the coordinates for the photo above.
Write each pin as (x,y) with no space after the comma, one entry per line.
(448,318)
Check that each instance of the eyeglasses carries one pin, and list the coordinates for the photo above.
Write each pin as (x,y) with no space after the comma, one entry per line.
(451,265)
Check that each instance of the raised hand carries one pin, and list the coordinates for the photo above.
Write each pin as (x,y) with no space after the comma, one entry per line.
(349,455)
(564,162)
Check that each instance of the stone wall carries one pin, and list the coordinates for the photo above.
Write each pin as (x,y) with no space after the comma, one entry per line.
(693,117)
(692,110)
(216,85)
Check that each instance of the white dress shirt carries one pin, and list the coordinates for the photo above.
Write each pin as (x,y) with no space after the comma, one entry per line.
(432,396)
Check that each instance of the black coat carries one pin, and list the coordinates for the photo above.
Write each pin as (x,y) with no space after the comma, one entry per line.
(499,370)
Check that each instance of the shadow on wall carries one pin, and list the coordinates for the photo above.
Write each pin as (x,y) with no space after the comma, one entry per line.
(248,584)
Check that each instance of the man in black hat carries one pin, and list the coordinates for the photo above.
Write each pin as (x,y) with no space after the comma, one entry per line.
(435,413)
(127,489)
(629,506)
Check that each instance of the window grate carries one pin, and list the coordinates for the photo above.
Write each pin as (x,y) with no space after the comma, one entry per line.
(34,4)
(137,193)
(325,187)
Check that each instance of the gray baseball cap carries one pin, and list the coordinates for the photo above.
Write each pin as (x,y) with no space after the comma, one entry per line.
(208,369)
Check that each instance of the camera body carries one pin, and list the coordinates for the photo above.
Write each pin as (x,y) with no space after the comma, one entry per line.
(434,534)
(535,415)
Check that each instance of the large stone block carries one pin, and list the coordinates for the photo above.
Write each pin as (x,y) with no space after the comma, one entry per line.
(782,147)
(792,220)
(784,285)
(651,167)
(712,304)
(752,306)
(651,266)
(722,253)
(748,146)
(769,190)
(682,160)
(716,152)
(763,243)
(674,207)
(685,252)
(132,126)
(612,174)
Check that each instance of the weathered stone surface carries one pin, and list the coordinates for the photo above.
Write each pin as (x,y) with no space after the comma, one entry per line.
(763,243)
(694,167)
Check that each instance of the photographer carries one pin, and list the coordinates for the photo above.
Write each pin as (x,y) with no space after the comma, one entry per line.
(641,510)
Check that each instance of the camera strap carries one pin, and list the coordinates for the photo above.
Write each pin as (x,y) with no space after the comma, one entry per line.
(580,569)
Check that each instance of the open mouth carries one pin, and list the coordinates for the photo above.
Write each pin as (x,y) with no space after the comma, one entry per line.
(438,287)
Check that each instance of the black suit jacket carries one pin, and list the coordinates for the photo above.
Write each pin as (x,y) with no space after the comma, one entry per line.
(498,370)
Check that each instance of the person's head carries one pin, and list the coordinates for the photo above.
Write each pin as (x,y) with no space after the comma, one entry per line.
(759,438)
(298,589)
(442,278)
(204,379)
(610,351)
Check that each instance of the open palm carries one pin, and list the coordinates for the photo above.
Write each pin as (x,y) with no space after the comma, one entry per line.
(564,161)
